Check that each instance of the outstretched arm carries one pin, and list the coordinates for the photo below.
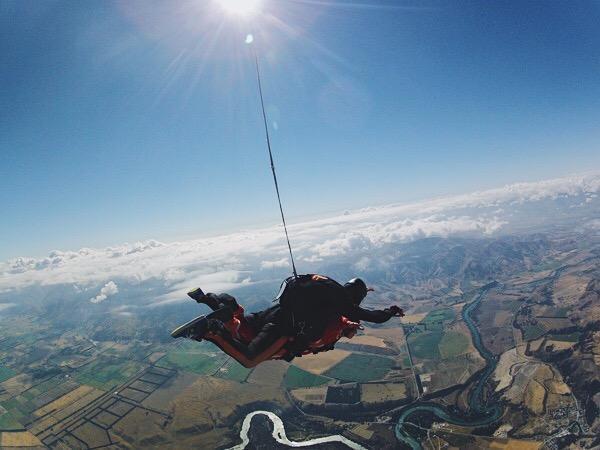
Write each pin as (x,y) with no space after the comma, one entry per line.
(356,313)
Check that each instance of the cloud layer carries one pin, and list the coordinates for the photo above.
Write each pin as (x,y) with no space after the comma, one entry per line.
(226,262)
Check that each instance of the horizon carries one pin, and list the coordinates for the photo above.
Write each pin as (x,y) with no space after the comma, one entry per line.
(243,258)
(298,222)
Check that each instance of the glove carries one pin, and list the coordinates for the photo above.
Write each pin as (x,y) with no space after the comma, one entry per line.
(396,311)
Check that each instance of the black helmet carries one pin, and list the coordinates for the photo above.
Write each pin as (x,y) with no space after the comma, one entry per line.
(357,290)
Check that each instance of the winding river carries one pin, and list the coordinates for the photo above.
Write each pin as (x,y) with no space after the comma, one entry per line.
(480,413)
(280,436)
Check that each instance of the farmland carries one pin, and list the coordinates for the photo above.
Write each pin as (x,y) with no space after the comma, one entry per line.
(107,373)
(232,370)
(6,373)
(298,378)
(359,367)
(193,361)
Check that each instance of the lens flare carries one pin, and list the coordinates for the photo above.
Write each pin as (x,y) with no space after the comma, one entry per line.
(240,7)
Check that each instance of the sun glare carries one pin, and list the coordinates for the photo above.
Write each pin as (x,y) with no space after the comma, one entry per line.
(240,7)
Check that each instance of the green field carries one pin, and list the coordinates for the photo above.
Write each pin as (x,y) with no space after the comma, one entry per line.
(8,422)
(571,337)
(233,370)
(298,378)
(453,344)
(532,332)
(193,361)
(558,312)
(6,373)
(357,367)
(18,411)
(425,345)
(436,316)
(106,373)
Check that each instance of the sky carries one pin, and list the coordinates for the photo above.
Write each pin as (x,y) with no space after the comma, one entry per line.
(127,121)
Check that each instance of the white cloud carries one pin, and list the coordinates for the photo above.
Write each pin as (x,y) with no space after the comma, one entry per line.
(224,262)
(278,263)
(109,289)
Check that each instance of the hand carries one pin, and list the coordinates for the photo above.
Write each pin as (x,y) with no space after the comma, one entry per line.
(351,328)
(396,311)
(349,333)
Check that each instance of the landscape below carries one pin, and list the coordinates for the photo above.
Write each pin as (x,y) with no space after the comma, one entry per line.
(73,379)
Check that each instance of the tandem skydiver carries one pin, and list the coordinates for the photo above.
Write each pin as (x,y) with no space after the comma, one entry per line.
(308,308)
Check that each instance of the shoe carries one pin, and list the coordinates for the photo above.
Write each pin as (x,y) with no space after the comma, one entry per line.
(215,326)
(200,297)
(223,314)
(195,328)
(196,294)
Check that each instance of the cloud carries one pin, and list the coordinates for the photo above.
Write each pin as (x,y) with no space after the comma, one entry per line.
(224,262)
(109,289)
(283,262)
(4,306)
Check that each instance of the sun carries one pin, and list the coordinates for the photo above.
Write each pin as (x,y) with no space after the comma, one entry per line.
(240,7)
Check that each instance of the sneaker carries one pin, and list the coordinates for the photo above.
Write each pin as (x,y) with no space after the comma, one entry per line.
(200,297)
(215,326)
(195,328)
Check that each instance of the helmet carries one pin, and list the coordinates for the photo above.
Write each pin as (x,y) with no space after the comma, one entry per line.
(357,289)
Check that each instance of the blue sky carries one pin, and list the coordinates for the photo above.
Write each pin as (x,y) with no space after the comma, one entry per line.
(136,120)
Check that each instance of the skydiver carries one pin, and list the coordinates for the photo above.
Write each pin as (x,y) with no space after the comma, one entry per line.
(306,305)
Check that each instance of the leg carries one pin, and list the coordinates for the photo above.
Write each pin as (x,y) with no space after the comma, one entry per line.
(266,343)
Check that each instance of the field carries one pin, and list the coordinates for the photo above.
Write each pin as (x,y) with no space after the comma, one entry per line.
(270,373)
(502,374)
(533,332)
(65,400)
(413,318)
(311,395)
(425,345)
(204,406)
(502,317)
(322,362)
(560,345)
(358,367)
(8,422)
(394,335)
(571,337)
(105,374)
(453,344)
(298,378)
(568,289)
(232,370)
(6,373)
(365,339)
(534,397)
(19,439)
(196,362)
(162,398)
(437,316)
(382,392)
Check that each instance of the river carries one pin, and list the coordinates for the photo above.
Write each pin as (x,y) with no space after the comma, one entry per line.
(480,412)
(280,436)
